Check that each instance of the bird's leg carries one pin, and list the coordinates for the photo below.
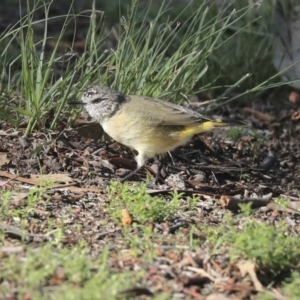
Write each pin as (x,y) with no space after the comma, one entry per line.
(140,159)
(159,167)
(130,174)
(171,157)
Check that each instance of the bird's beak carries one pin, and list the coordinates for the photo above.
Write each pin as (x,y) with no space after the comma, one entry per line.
(76,102)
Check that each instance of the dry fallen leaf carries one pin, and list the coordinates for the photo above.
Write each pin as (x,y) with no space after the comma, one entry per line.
(3,159)
(4,133)
(248,267)
(61,178)
(296,116)
(294,98)
(202,273)
(16,197)
(218,297)
(126,217)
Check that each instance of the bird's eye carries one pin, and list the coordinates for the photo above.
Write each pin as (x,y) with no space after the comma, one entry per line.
(98,100)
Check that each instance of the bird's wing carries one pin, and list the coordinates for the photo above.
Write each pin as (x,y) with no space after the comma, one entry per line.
(161,112)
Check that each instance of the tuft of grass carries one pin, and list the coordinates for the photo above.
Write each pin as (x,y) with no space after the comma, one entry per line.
(168,57)
(235,134)
(272,247)
(289,291)
(4,203)
(269,246)
(33,196)
(143,207)
(166,54)
(248,46)
(35,72)
(291,287)
(50,273)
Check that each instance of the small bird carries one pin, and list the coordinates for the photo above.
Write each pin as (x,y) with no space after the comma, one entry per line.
(150,126)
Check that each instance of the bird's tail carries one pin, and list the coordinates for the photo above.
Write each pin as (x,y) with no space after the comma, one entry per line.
(210,125)
(223,123)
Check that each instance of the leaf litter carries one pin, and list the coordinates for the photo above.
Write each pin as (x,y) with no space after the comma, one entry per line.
(255,169)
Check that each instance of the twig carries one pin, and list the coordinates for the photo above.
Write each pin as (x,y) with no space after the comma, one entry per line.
(20,234)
